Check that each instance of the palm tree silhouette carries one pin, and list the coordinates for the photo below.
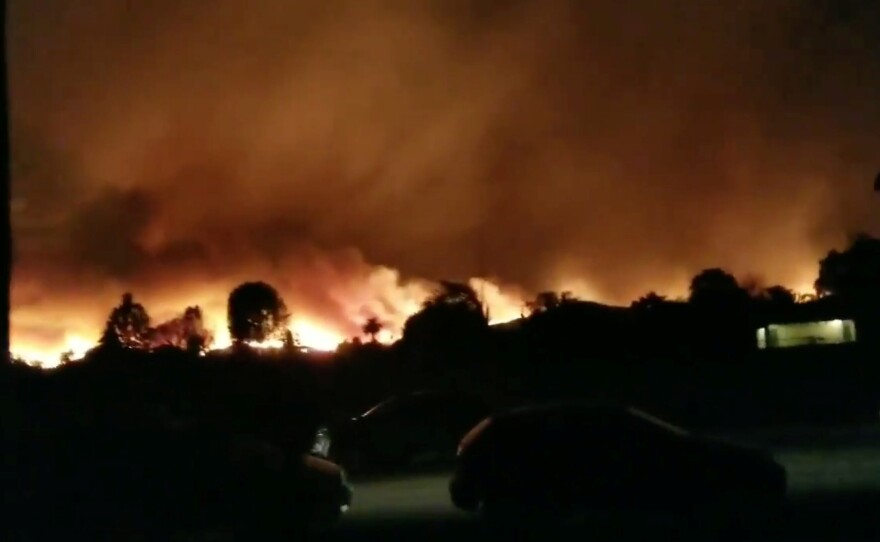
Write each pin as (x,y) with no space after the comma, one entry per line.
(372,327)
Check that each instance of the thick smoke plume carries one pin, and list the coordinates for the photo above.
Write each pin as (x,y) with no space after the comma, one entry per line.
(347,150)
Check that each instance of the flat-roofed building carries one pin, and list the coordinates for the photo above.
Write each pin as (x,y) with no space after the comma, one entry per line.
(814,323)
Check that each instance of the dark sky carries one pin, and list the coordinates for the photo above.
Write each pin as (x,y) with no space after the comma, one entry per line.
(177,147)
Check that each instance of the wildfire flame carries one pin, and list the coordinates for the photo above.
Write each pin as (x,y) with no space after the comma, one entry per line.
(307,334)
(502,305)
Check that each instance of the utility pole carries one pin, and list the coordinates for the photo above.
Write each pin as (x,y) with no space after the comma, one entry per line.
(5,218)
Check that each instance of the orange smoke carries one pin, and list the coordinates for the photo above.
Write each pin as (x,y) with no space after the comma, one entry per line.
(175,149)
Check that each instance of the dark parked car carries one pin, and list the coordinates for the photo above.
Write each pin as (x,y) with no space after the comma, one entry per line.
(420,428)
(171,484)
(329,490)
(296,492)
(565,457)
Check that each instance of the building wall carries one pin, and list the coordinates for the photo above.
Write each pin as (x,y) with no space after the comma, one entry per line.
(806,333)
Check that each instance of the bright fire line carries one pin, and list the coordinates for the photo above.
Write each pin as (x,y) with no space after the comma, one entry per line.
(503,306)
(308,335)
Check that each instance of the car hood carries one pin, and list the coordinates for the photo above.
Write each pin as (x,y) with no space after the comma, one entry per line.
(738,452)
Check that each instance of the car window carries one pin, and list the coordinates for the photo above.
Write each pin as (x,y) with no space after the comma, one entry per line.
(645,422)
(439,408)
(408,408)
(388,405)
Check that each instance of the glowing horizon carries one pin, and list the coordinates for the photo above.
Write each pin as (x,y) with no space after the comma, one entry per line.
(308,333)
(503,305)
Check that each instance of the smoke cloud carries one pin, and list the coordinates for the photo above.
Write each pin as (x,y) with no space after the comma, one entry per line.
(349,150)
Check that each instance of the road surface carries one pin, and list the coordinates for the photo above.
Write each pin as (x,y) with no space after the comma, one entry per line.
(834,495)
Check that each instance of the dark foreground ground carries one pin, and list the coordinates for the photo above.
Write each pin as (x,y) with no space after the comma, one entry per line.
(834,496)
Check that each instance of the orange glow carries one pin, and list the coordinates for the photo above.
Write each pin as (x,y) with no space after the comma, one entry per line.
(315,337)
(75,346)
(230,141)
(356,301)
(307,334)
(310,334)
(502,306)
(804,288)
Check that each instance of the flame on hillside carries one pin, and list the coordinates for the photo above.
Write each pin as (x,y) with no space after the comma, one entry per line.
(306,334)
(392,310)
(382,294)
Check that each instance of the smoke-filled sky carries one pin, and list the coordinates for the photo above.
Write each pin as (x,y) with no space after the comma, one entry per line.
(176,148)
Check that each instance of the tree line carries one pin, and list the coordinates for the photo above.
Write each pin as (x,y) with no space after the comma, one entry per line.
(455,313)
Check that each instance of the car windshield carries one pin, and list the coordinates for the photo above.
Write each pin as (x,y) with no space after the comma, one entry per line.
(418,400)
(384,406)
(657,422)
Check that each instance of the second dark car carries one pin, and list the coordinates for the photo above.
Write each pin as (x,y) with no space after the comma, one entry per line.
(415,429)
(569,456)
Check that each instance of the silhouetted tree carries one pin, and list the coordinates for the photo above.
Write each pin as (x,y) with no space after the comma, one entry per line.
(455,294)
(805,297)
(128,325)
(659,322)
(351,349)
(779,295)
(195,344)
(110,339)
(649,301)
(753,286)
(290,344)
(548,301)
(852,273)
(349,345)
(372,327)
(193,316)
(256,312)
(716,286)
(197,337)
(768,302)
(721,326)
(186,332)
(453,314)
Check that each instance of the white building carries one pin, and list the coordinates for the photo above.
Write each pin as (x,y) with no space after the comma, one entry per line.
(818,332)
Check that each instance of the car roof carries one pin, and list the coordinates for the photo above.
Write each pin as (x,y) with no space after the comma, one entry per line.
(565,406)
(599,409)
(414,396)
